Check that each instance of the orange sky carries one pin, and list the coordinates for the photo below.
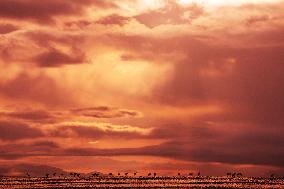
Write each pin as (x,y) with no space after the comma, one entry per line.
(129,85)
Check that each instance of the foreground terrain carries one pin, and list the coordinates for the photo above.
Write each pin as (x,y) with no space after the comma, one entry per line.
(141,182)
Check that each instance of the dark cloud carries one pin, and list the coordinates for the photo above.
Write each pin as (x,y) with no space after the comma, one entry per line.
(41,147)
(94,132)
(195,142)
(128,57)
(172,14)
(44,144)
(34,88)
(80,24)
(47,40)
(213,151)
(56,58)
(240,72)
(10,131)
(191,151)
(7,28)
(36,10)
(30,115)
(257,19)
(245,80)
(106,112)
(45,11)
(113,19)
(228,143)
(206,143)
(178,130)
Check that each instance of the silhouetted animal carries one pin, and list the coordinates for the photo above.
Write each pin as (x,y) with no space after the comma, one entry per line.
(95,174)
(272,175)
(239,175)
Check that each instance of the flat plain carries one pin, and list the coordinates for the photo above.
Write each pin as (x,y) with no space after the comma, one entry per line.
(141,182)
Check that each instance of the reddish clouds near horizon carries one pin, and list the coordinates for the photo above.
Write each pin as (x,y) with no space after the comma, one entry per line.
(128,85)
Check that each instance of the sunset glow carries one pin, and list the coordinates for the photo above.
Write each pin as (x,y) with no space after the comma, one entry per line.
(138,85)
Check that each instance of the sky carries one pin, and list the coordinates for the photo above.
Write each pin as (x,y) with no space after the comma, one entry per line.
(142,85)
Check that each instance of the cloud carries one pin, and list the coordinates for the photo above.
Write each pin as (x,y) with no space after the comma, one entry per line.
(52,49)
(172,13)
(44,144)
(106,112)
(205,145)
(113,19)
(29,115)
(98,130)
(11,131)
(33,89)
(34,147)
(256,19)
(56,58)
(214,152)
(35,10)
(45,11)
(232,77)
(46,116)
(189,58)
(7,28)
(194,131)
(81,24)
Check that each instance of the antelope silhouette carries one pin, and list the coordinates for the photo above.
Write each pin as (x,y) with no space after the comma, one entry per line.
(95,174)
(239,175)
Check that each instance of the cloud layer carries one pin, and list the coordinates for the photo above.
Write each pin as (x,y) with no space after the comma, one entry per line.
(198,83)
